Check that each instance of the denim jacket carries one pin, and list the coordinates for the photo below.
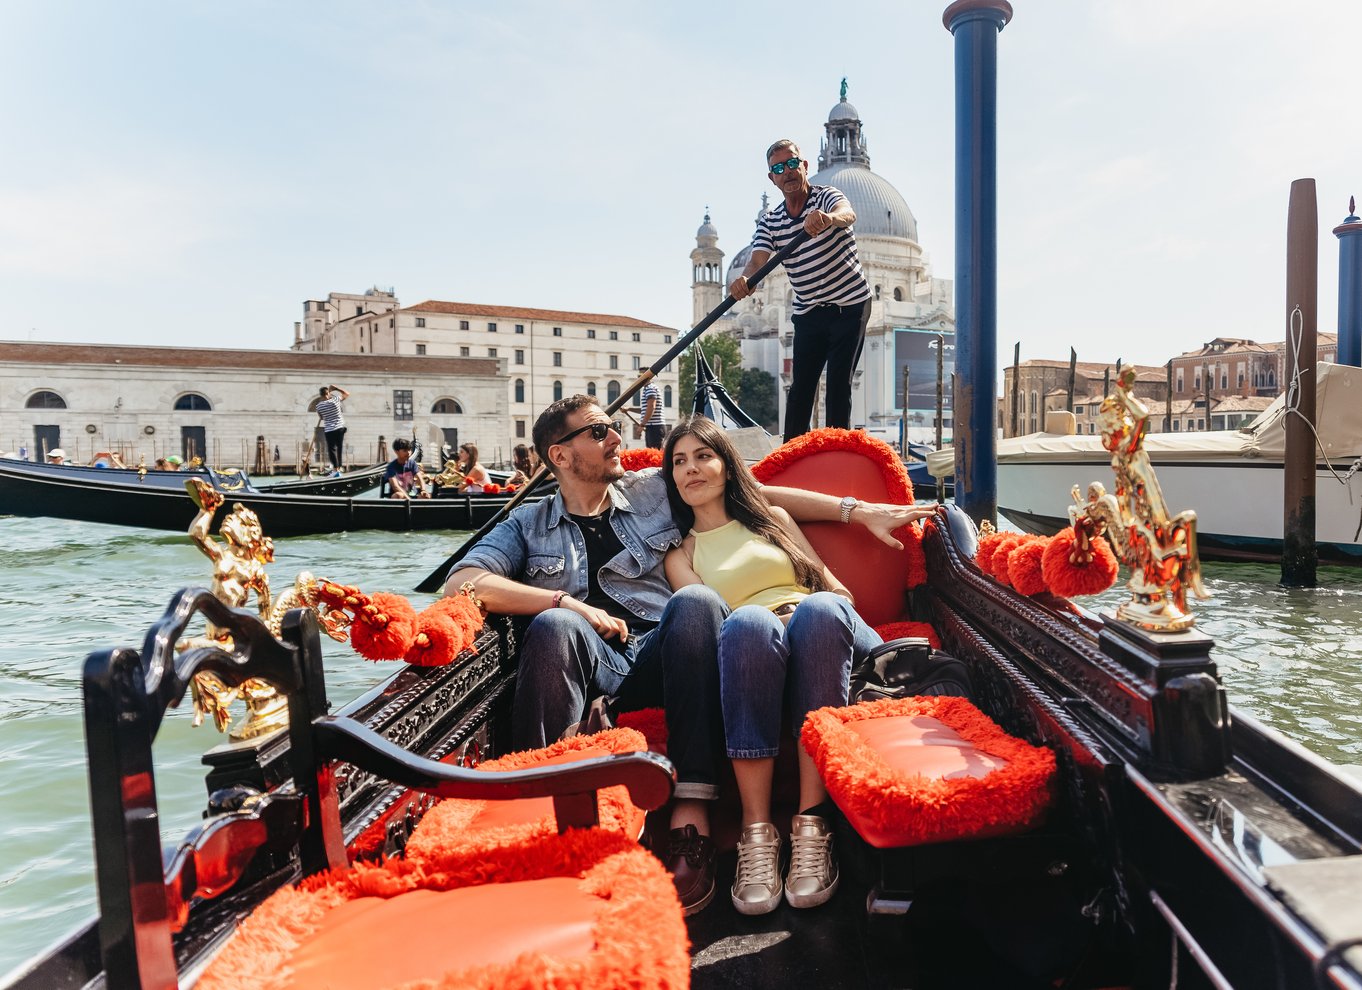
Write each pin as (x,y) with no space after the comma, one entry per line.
(540,545)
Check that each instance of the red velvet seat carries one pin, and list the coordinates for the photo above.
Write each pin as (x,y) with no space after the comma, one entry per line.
(469,823)
(910,771)
(588,908)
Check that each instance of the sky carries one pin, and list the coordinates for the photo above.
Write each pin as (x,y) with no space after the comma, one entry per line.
(188,173)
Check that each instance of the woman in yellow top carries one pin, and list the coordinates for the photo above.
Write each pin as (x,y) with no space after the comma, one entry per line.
(787,646)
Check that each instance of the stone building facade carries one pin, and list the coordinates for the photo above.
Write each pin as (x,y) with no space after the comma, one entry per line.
(155,401)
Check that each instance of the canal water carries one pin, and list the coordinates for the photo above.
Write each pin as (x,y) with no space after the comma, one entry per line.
(1292,658)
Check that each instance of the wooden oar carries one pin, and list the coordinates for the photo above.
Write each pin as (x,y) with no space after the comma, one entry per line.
(436,578)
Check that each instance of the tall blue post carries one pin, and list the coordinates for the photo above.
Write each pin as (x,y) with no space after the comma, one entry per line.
(975,24)
(1349,234)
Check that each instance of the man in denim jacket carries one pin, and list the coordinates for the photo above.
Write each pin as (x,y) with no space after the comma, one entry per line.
(587,565)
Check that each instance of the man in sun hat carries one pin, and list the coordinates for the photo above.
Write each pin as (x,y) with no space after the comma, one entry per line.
(56,456)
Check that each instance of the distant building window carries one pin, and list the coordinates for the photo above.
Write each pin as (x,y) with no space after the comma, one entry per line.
(591,335)
(667,396)
(1177,426)
(557,359)
(557,391)
(491,328)
(359,310)
(898,295)
(520,328)
(1224,380)
(614,361)
(637,337)
(447,407)
(1200,424)
(520,390)
(463,324)
(45,400)
(614,335)
(192,401)
(420,321)
(1179,379)
(666,338)
(403,409)
(612,391)
(491,352)
(464,351)
(520,429)
(558,331)
(519,357)
(638,365)
(591,388)
(877,293)
(1078,410)
(420,348)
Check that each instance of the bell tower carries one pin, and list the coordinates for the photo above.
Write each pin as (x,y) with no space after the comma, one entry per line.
(844,141)
(707,271)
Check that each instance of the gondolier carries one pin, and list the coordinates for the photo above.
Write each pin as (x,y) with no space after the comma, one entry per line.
(654,428)
(332,422)
(831,295)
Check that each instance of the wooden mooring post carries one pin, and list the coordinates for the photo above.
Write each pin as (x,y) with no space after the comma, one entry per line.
(1299,553)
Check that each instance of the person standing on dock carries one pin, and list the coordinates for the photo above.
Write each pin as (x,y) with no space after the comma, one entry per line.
(332,421)
(831,295)
(654,428)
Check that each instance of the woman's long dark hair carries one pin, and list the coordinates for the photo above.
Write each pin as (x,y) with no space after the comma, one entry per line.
(472,452)
(742,497)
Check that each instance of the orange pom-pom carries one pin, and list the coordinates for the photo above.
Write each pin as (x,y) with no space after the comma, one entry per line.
(638,458)
(434,642)
(384,629)
(997,564)
(899,630)
(1066,578)
(467,618)
(491,488)
(1024,567)
(983,554)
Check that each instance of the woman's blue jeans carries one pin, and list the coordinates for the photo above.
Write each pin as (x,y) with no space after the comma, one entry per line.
(767,668)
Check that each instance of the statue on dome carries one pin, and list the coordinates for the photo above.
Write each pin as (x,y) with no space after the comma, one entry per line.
(844,89)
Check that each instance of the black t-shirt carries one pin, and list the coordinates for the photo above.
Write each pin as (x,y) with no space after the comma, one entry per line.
(603,545)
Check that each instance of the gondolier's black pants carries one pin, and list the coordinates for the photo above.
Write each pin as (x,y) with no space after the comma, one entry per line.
(335,448)
(831,336)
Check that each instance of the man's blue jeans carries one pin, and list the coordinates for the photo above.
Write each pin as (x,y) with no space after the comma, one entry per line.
(564,664)
(766,668)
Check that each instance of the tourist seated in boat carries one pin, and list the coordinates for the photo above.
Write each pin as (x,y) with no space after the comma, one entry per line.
(786,648)
(403,477)
(174,463)
(160,464)
(56,456)
(475,477)
(586,567)
(520,457)
(107,459)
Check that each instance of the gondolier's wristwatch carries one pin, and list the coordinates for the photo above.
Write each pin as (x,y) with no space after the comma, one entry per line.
(848,503)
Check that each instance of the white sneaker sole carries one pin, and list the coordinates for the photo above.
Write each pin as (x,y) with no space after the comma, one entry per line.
(812,900)
(757,907)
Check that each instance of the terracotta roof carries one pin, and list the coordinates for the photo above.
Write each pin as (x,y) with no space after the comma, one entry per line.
(1241,403)
(524,313)
(212,357)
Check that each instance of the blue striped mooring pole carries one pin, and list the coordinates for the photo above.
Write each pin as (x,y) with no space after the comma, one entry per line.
(975,24)
(1349,234)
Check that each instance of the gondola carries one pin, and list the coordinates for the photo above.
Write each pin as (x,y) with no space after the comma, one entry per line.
(1181,842)
(226,480)
(31,490)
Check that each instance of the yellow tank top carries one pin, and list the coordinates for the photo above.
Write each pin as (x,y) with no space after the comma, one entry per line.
(746,569)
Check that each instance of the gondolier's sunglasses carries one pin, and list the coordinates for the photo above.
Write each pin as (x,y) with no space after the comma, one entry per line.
(599,431)
(779,167)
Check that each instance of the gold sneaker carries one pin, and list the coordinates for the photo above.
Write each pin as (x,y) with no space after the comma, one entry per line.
(812,876)
(757,887)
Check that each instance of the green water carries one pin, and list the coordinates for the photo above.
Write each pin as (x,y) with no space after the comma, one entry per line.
(1292,658)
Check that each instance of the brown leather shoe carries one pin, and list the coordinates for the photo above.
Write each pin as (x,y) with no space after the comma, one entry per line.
(689,857)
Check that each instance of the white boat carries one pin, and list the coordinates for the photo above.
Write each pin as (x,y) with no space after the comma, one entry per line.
(1234,479)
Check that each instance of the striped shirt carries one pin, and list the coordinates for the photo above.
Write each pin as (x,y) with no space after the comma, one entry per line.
(825,270)
(650,392)
(330,412)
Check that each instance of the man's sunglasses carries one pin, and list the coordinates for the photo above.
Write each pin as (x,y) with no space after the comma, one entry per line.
(779,167)
(599,431)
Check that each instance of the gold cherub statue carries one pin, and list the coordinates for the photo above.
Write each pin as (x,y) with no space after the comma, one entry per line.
(238,571)
(1159,549)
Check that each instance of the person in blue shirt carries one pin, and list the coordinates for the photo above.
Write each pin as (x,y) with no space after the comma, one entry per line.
(403,476)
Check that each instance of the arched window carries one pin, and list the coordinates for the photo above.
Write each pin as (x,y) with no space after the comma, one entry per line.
(192,402)
(612,391)
(520,390)
(877,293)
(447,406)
(557,390)
(898,295)
(591,388)
(667,396)
(45,400)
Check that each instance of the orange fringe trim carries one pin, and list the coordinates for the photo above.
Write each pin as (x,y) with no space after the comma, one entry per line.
(900,630)
(638,458)
(912,809)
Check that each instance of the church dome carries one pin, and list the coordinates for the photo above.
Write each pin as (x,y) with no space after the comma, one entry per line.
(843,111)
(707,229)
(739,262)
(880,210)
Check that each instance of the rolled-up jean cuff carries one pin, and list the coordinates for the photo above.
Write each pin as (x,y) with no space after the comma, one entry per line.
(691,791)
(753,754)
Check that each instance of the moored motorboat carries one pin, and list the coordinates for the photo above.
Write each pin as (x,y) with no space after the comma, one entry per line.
(223,479)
